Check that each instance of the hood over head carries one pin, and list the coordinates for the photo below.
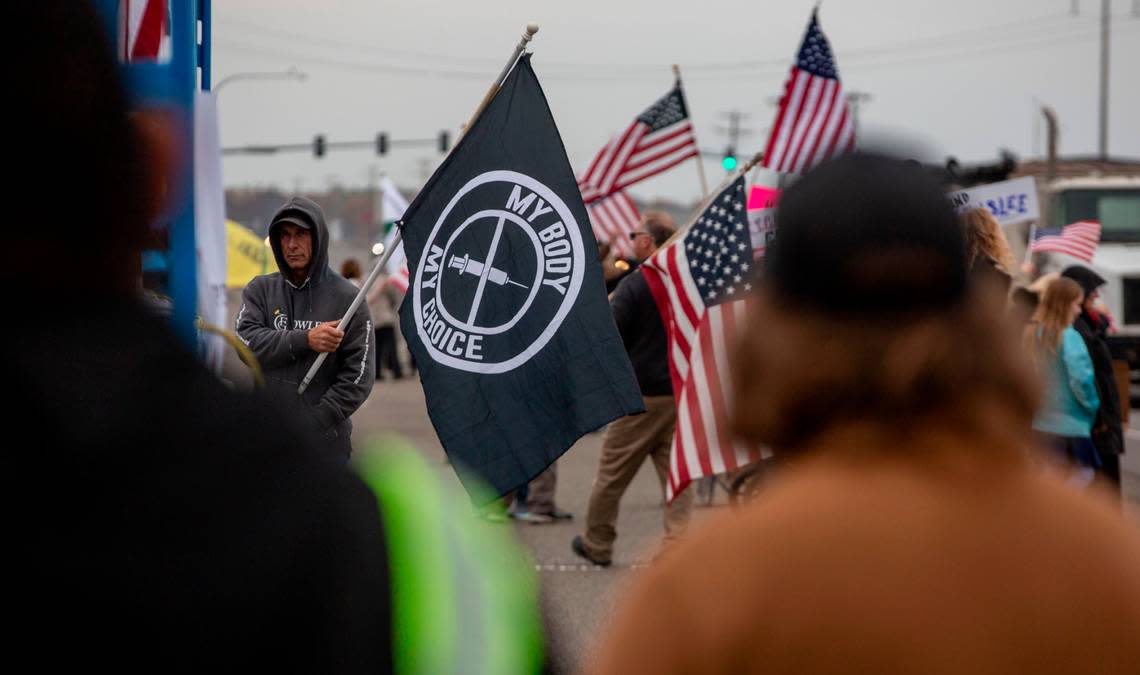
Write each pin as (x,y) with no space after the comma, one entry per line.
(305,213)
(1089,280)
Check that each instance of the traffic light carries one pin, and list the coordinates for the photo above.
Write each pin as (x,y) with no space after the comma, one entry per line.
(319,145)
(444,141)
(729,161)
(382,144)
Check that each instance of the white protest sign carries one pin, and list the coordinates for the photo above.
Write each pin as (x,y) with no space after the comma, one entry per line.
(1010,201)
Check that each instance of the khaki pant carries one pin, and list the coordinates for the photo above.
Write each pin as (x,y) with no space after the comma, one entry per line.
(540,491)
(628,441)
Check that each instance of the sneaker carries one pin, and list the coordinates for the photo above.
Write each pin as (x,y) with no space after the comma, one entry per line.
(579,547)
(532,518)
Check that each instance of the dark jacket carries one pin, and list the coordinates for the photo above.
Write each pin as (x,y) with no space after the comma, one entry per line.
(1107,434)
(643,334)
(174,525)
(275,319)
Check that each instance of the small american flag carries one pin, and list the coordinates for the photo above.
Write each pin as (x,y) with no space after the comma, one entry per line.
(699,282)
(657,140)
(1078,239)
(613,218)
(144,31)
(813,122)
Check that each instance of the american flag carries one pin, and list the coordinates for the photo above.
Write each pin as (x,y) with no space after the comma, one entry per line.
(144,31)
(813,122)
(699,282)
(657,140)
(613,218)
(1078,239)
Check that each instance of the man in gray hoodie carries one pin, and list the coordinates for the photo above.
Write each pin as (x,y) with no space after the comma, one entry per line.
(290,316)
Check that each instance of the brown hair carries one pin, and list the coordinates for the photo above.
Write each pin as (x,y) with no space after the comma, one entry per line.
(984,237)
(659,225)
(1052,316)
(350,269)
(798,372)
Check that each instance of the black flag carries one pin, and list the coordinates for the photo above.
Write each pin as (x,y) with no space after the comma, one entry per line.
(506,311)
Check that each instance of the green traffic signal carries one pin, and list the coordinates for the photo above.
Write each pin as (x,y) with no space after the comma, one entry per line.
(729,163)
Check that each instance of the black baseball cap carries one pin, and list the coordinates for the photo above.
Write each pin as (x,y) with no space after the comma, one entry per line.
(866,234)
(300,222)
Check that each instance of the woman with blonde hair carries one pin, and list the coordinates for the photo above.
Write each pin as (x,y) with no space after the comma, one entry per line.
(987,250)
(1070,404)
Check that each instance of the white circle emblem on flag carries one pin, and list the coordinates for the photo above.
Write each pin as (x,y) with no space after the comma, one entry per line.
(498,274)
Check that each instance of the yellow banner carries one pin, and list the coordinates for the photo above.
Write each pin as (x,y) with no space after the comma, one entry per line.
(248,256)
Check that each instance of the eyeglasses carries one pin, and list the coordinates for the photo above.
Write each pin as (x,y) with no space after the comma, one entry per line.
(634,235)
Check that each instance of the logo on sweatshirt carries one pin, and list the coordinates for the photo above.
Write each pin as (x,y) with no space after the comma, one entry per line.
(280,321)
(498,274)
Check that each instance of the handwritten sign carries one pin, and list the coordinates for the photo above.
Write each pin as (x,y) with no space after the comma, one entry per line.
(1010,201)
(762,203)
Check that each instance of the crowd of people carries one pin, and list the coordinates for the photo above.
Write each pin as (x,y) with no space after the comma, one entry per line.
(945,444)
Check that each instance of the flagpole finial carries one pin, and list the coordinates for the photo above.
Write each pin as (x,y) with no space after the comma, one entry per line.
(531,29)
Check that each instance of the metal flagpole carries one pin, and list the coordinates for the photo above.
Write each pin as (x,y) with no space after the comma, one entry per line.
(528,35)
(700,160)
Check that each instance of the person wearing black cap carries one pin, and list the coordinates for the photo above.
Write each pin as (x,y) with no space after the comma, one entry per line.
(1107,434)
(290,316)
(909,529)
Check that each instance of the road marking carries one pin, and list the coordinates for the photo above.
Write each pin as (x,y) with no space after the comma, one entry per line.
(584,567)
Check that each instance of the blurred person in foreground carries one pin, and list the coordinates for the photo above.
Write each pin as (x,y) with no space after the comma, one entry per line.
(289,317)
(165,523)
(630,440)
(911,531)
(1065,417)
(1092,325)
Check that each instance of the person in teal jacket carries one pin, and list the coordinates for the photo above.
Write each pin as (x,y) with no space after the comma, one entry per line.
(1070,402)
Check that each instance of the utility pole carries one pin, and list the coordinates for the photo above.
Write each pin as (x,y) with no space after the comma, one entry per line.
(733,131)
(1105,14)
(854,100)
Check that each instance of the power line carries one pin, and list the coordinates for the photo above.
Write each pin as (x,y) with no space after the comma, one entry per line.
(1061,20)
(726,71)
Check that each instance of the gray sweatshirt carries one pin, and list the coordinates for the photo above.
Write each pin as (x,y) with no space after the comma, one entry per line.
(276,317)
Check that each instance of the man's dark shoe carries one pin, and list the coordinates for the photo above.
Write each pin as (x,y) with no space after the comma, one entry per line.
(559,514)
(580,548)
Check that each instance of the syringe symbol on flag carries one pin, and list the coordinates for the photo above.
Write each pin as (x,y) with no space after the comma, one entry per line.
(466,265)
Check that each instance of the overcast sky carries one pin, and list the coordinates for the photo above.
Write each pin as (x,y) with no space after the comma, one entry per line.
(964,77)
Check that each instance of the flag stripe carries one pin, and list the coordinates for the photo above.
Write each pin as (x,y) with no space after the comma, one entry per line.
(652,153)
(773,138)
(799,87)
(621,157)
(659,167)
(808,109)
(833,120)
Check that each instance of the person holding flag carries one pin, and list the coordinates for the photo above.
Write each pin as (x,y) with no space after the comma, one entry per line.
(630,440)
